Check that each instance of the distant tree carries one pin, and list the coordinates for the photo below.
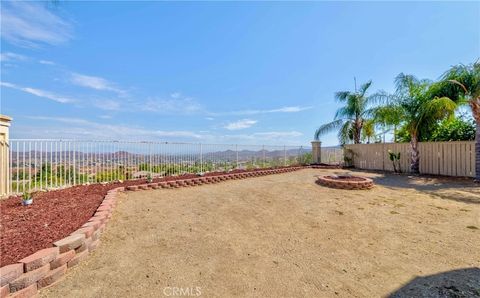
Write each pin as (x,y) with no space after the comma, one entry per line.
(349,119)
(454,129)
(390,117)
(368,131)
(305,158)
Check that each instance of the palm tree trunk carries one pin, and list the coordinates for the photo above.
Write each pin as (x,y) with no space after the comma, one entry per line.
(477,153)
(475,104)
(394,133)
(358,132)
(415,157)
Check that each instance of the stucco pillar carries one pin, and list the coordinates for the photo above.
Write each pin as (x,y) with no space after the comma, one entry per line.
(4,155)
(317,152)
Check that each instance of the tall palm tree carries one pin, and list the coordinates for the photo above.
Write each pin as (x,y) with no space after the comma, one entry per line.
(462,83)
(349,119)
(420,109)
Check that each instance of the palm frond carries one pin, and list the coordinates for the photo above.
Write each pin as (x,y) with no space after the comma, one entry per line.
(364,87)
(326,128)
(435,109)
(345,112)
(464,81)
(345,134)
(404,82)
(342,95)
(389,115)
(380,97)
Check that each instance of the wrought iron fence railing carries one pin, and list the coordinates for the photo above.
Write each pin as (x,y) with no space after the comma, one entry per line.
(50,164)
(332,155)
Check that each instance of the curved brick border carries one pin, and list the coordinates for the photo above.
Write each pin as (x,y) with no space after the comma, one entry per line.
(210,179)
(46,266)
(329,181)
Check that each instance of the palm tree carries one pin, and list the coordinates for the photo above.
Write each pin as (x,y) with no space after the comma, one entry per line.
(419,108)
(349,119)
(462,83)
(368,131)
(390,117)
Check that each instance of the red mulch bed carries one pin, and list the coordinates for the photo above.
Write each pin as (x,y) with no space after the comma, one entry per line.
(54,215)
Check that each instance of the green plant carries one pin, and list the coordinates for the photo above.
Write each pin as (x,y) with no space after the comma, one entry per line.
(395,159)
(368,131)
(454,129)
(421,109)
(26,196)
(349,157)
(305,158)
(388,117)
(461,83)
(349,119)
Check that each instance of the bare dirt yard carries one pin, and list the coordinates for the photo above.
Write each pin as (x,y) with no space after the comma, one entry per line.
(285,236)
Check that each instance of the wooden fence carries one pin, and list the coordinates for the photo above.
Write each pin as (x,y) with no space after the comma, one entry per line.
(436,158)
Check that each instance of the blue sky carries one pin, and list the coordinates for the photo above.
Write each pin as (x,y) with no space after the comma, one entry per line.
(214,72)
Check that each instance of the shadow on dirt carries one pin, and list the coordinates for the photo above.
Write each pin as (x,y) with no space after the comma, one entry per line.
(448,188)
(456,283)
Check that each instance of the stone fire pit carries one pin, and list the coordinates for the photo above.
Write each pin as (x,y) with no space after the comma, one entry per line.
(345,182)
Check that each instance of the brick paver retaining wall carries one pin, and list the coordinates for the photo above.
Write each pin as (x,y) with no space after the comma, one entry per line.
(48,265)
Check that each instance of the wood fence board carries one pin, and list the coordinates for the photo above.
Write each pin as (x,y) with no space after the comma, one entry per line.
(437,158)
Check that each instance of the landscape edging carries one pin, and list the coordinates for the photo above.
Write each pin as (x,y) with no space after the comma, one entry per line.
(46,266)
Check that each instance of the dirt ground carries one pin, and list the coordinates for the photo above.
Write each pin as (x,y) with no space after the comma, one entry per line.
(285,236)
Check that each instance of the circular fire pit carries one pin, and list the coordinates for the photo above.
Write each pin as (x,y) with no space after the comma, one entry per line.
(345,182)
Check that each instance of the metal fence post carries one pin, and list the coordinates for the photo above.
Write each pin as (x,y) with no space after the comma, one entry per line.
(236,153)
(201,158)
(263,151)
(74,164)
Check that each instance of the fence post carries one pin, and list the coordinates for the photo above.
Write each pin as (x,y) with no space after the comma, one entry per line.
(201,158)
(236,155)
(4,155)
(317,152)
(263,149)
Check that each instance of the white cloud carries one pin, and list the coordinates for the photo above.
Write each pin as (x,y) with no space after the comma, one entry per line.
(81,128)
(96,83)
(39,93)
(277,134)
(240,124)
(67,127)
(108,104)
(262,138)
(174,104)
(30,24)
(46,62)
(209,118)
(4,57)
(175,95)
(290,109)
